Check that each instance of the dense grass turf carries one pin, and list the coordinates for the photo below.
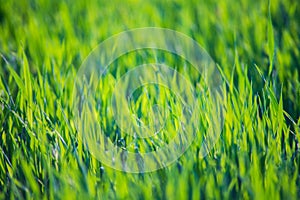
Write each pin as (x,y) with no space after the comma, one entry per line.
(256,45)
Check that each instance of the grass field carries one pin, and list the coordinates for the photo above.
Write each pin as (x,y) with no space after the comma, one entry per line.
(256,46)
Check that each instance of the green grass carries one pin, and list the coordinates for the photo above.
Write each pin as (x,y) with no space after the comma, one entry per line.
(256,45)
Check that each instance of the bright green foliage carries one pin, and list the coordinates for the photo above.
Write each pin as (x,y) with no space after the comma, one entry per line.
(255,44)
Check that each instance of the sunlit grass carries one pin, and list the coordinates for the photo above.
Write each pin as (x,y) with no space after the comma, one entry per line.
(256,45)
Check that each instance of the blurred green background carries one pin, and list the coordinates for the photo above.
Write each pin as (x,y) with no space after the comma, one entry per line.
(67,31)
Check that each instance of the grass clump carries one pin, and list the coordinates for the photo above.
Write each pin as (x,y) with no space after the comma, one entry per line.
(256,45)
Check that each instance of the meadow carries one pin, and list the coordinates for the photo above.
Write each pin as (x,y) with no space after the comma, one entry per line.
(256,46)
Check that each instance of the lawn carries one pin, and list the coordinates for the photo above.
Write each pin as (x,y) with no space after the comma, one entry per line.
(58,114)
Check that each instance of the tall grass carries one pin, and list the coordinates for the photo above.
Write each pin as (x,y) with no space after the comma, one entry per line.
(256,45)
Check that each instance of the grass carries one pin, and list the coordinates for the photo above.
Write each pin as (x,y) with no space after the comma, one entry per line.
(256,45)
